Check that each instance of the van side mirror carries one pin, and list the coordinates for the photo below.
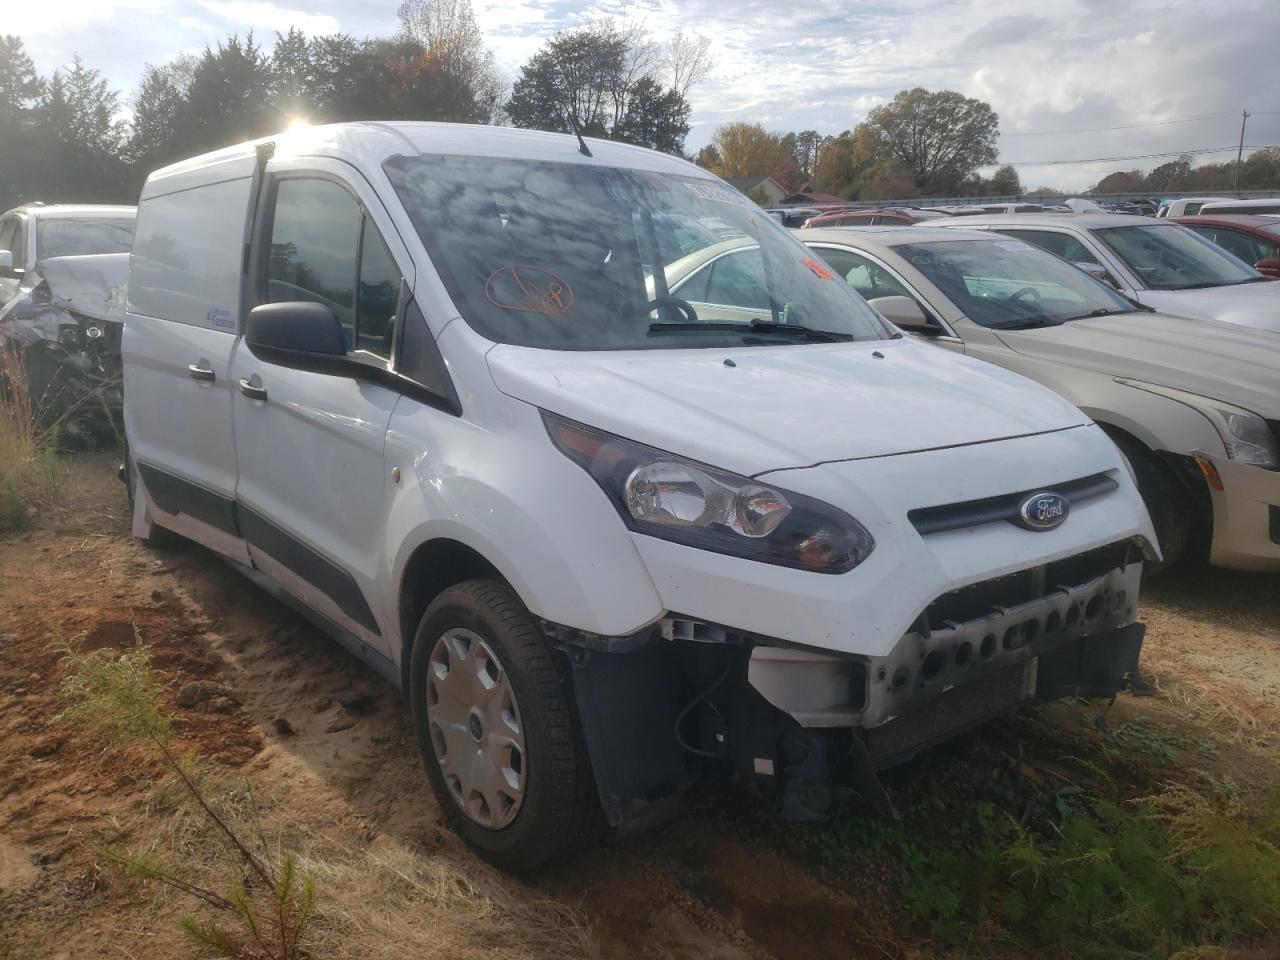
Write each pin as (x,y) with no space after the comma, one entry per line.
(297,328)
(1097,271)
(1268,267)
(6,261)
(905,313)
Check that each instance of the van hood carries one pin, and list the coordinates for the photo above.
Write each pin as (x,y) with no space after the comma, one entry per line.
(1222,361)
(1255,305)
(786,406)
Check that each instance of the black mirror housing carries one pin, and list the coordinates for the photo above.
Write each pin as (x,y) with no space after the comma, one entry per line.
(296,327)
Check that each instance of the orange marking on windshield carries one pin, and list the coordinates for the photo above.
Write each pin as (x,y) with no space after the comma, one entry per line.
(528,290)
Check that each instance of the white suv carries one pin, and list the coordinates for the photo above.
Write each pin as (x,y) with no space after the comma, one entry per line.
(424,383)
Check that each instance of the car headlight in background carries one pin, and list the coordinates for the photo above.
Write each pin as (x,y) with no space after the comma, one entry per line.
(666,496)
(1245,435)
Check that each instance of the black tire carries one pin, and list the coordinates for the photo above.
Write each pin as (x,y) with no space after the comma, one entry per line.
(560,796)
(1167,500)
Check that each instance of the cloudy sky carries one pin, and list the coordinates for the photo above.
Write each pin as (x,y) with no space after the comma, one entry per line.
(1172,74)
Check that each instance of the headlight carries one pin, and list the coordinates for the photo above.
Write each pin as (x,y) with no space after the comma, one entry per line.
(669,497)
(1246,436)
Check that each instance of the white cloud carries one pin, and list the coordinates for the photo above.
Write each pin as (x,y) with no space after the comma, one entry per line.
(260,15)
(818,64)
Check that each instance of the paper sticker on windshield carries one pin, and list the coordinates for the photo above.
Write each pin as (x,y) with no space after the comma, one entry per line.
(718,194)
(529,290)
(820,269)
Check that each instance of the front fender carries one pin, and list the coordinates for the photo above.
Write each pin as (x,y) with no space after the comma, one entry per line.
(509,495)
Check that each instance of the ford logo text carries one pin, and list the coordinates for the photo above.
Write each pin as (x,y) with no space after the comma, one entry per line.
(1043,511)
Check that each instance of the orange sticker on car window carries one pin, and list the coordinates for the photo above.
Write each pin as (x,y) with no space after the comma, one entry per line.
(820,269)
(529,290)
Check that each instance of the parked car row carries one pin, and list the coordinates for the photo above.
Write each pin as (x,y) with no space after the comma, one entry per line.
(624,486)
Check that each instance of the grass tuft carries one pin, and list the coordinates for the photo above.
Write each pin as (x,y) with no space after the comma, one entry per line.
(28,463)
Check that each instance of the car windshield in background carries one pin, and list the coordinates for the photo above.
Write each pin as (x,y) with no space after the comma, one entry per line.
(1010,285)
(563,255)
(1174,258)
(75,238)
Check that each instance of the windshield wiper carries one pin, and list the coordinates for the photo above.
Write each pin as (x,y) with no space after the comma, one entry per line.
(755,326)
(1103,312)
(1029,324)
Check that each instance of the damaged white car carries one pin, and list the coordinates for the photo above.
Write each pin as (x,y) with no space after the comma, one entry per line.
(606,536)
(63,272)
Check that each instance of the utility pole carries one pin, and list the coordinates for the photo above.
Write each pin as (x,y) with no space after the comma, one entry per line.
(1244,118)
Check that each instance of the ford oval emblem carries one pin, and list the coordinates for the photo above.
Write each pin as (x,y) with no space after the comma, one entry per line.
(1043,511)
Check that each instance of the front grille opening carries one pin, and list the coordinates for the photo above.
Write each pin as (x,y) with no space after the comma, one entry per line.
(980,599)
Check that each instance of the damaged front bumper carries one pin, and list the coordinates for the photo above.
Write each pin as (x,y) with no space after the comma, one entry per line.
(820,690)
(684,697)
(69,326)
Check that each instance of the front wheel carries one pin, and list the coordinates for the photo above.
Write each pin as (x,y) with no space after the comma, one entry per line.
(492,709)
(1166,499)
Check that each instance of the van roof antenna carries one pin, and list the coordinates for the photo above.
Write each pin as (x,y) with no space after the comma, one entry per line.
(582,144)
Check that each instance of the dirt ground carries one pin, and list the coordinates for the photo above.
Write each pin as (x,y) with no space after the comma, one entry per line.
(327,750)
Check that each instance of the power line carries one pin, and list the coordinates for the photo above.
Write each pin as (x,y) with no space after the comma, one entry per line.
(1127,126)
(1140,156)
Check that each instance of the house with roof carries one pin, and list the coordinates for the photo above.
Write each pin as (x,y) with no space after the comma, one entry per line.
(771,189)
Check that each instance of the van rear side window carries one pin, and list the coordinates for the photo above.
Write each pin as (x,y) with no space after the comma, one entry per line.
(187,255)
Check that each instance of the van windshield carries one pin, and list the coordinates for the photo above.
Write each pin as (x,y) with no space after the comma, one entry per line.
(570,256)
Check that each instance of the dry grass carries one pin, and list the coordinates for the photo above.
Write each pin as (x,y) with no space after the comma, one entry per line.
(28,468)
(387,901)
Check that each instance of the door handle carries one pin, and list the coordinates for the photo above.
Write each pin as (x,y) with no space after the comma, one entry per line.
(199,372)
(252,392)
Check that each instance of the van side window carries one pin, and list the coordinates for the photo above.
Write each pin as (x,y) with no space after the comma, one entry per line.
(325,249)
(377,294)
(315,247)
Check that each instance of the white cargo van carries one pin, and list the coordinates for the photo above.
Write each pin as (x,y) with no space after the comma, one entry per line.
(429,385)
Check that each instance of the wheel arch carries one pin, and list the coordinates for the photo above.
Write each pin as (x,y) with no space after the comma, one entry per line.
(433,567)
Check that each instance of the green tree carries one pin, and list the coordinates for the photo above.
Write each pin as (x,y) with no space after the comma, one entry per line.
(80,138)
(158,109)
(805,147)
(1122,181)
(20,90)
(708,157)
(229,101)
(455,66)
(1169,176)
(1005,183)
(655,118)
(939,138)
(601,81)
(293,77)
(749,150)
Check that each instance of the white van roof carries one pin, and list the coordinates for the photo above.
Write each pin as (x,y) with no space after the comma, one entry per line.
(1226,205)
(367,144)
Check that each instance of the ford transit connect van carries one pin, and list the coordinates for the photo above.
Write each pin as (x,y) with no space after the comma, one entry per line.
(430,385)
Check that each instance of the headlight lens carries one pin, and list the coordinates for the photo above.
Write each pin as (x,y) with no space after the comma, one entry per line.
(669,497)
(1245,435)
